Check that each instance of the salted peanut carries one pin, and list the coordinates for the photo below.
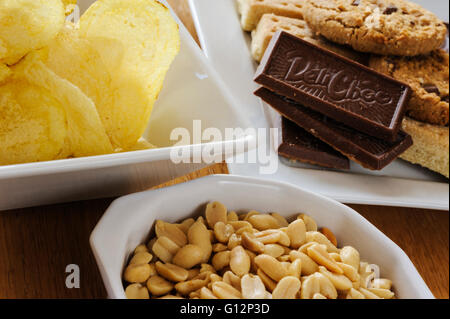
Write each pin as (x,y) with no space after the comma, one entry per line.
(159,286)
(382,283)
(304,248)
(136,291)
(195,294)
(368,295)
(199,235)
(252,287)
(225,291)
(137,273)
(284,239)
(230,278)
(263,222)
(250,242)
(186,287)
(274,250)
(287,288)
(150,244)
(215,212)
(366,274)
(319,296)
(355,294)
(188,257)
(340,282)
(310,287)
(350,256)
(205,293)
(282,222)
(171,231)
(295,268)
(153,271)
(141,258)
(164,248)
(171,272)
(319,254)
(234,241)
(310,223)
(314,236)
(326,286)
(193,273)
(268,282)
(272,267)
(382,293)
(240,224)
(330,235)
(336,257)
(223,232)
(219,247)
(284,258)
(297,233)
(239,261)
(171,297)
(350,272)
(250,214)
(141,249)
(207,267)
(309,266)
(232,217)
(356,284)
(186,224)
(252,256)
(246,229)
(221,260)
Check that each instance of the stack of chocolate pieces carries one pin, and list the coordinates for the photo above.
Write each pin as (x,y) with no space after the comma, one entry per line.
(340,108)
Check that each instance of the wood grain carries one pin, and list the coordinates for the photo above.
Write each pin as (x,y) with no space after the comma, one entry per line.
(37,244)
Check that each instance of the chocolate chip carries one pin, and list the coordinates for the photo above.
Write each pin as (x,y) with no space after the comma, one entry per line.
(390,9)
(431,88)
(445,99)
(356,3)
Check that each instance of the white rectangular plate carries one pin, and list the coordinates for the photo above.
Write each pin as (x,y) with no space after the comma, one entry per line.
(400,184)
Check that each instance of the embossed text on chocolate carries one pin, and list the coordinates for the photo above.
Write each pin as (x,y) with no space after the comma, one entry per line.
(338,85)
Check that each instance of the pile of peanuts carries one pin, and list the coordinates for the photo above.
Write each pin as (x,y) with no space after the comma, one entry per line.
(251,256)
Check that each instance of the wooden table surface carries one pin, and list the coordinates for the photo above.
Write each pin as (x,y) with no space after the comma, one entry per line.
(37,244)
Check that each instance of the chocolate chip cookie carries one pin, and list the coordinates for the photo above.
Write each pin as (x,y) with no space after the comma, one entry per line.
(386,27)
(428,78)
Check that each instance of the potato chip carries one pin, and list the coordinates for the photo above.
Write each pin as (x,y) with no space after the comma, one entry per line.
(137,42)
(86,133)
(26,25)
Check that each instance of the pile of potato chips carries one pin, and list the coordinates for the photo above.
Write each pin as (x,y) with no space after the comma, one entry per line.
(71,90)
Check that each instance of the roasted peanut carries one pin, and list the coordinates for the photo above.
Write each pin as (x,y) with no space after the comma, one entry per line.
(282,222)
(216,212)
(382,293)
(206,268)
(287,288)
(329,234)
(137,291)
(319,254)
(164,248)
(268,282)
(321,239)
(263,222)
(221,260)
(223,232)
(326,286)
(234,241)
(297,233)
(295,268)
(252,287)
(225,291)
(158,286)
(309,266)
(340,282)
(199,235)
(310,287)
(368,295)
(350,272)
(219,247)
(382,283)
(137,273)
(188,256)
(310,223)
(230,278)
(171,272)
(250,242)
(141,249)
(350,256)
(274,250)
(186,287)
(355,294)
(141,258)
(271,267)
(205,293)
(239,261)
(240,224)
(193,273)
(171,231)
(186,224)
(232,217)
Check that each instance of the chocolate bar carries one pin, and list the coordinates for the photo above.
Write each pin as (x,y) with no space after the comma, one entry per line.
(368,151)
(335,86)
(298,145)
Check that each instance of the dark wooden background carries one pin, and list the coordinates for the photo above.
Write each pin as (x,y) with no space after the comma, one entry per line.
(37,244)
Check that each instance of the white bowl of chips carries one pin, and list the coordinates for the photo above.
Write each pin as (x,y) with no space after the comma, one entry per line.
(128,221)
(192,91)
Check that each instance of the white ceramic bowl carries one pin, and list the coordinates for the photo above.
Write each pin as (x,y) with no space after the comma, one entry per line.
(192,91)
(127,223)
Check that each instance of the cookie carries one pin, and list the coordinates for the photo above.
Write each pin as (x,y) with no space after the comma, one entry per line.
(252,10)
(271,23)
(385,27)
(430,149)
(428,78)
